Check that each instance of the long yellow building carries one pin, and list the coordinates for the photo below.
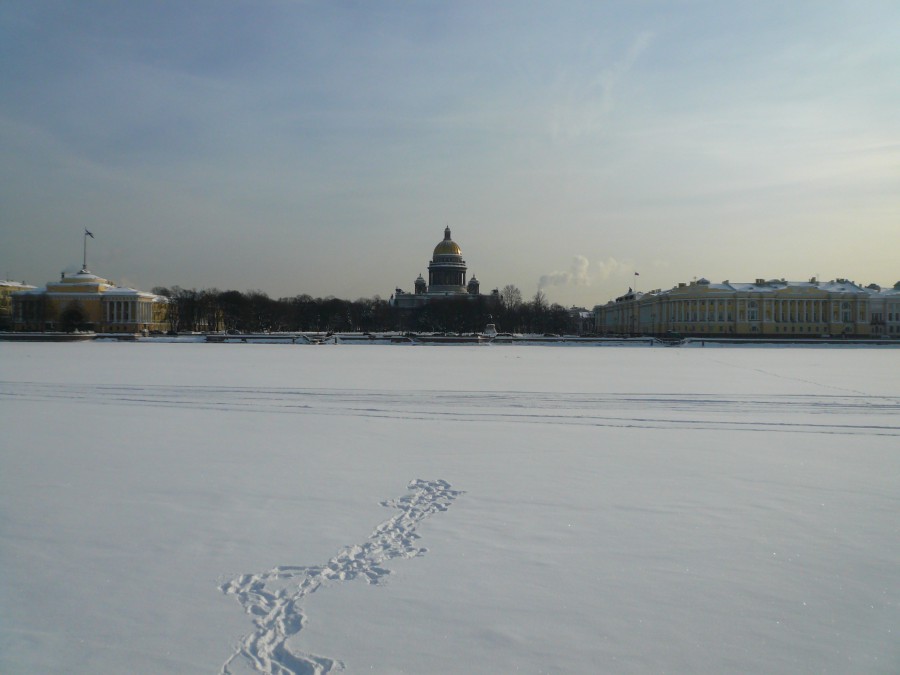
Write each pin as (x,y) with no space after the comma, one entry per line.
(763,308)
(86,302)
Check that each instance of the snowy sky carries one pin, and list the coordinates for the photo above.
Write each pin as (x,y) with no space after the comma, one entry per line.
(321,147)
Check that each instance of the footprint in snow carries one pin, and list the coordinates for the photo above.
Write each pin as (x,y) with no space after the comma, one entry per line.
(274,599)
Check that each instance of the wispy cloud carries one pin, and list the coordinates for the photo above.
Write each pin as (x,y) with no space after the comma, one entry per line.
(610,77)
(584,107)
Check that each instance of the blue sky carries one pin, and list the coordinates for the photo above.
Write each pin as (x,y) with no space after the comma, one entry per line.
(321,147)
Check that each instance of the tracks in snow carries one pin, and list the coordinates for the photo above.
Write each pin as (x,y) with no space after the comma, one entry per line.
(793,413)
(274,599)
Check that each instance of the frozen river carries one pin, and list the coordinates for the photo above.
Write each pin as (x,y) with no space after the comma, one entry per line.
(199,508)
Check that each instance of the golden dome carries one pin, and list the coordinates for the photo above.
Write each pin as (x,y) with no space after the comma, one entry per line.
(448,246)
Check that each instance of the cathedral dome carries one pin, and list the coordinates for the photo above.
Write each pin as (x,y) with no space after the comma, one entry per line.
(447,246)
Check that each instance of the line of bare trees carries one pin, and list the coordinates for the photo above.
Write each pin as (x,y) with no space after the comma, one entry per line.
(255,312)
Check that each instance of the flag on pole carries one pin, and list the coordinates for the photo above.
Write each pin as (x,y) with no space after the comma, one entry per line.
(88,233)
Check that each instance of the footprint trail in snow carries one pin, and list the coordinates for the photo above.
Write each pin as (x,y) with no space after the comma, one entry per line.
(274,599)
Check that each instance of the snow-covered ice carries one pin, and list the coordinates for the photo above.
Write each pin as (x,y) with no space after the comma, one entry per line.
(198,508)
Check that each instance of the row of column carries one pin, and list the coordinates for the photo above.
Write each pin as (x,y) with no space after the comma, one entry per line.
(128,311)
(444,277)
(781,311)
(686,311)
(800,311)
(627,316)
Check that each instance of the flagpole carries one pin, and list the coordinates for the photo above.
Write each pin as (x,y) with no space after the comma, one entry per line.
(87,233)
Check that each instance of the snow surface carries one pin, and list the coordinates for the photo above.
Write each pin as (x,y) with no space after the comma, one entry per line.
(189,508)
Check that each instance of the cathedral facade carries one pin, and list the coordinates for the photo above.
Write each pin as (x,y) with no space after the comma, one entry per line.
(446,278)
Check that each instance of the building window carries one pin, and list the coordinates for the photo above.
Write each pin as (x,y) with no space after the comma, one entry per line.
(845,312)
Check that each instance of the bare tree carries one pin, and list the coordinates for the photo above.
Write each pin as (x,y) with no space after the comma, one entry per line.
(511,297)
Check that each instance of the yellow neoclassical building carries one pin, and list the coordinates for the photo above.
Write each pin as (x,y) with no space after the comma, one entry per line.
(769,308)
(7,288)
(86,302)
(884,308)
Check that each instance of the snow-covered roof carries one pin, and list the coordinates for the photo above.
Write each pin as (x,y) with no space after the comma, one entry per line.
(86,284)
(761,286)
(15,285)
(128,292)
(889,292)
(83,275)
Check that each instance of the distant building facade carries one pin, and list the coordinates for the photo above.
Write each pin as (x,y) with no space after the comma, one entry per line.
(84,301)
(446,279)
(884,306)
(581,321)
(7,288)
(773,308)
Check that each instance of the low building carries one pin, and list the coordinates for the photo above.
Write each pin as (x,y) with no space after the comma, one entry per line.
(86,302)
(768,308)
(885,310)
(581,321)
(7,288)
